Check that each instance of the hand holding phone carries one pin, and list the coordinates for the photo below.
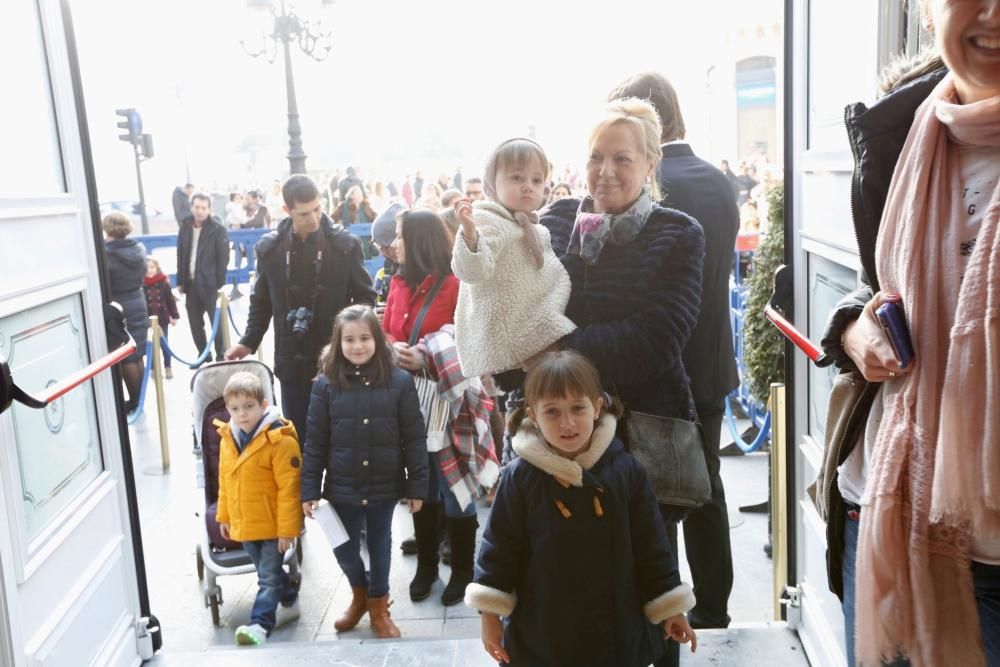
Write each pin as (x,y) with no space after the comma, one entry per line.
(893,320)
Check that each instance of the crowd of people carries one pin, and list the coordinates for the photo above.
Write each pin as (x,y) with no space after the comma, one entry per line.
(585,318)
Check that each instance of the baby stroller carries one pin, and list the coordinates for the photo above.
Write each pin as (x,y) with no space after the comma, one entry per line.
(213,552)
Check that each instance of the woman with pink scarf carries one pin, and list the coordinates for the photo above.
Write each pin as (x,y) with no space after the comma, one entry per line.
(927,583)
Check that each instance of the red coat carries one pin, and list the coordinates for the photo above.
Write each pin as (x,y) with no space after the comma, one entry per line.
(403,305)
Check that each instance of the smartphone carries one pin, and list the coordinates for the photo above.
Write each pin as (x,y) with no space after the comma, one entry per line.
(893,320)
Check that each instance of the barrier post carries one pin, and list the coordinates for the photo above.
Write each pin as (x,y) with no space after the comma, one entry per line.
(779,527)
(161,410)
(224,324)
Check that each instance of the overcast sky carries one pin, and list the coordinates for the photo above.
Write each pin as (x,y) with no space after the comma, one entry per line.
(406,81)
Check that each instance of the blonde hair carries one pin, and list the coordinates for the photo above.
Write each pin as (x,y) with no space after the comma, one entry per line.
(641,115)
(156,263)
(244,384)
(116,225)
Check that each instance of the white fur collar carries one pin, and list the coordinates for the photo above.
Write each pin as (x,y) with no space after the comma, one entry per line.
(530,446)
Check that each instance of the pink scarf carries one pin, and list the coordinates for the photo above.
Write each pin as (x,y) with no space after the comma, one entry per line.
(935,472)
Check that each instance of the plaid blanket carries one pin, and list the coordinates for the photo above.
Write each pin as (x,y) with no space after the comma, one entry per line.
(464,451)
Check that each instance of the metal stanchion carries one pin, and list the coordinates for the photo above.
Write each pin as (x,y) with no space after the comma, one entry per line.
(161,409)
(779,517)
(224,325)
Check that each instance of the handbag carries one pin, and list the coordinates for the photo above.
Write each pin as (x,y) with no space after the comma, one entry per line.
(434,409)
(673,453)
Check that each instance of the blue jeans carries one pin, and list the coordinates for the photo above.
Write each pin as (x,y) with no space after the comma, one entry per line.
(986,580)
(438,491)
(295,405)
(377,518)
(848,570)
(275,586)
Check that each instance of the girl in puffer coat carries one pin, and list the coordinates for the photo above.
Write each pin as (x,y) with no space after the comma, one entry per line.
(365,431)
(575,557)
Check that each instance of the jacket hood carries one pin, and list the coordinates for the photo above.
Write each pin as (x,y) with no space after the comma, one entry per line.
(271,418)
(908,68)
(341,239)
(129,252)
(531,446)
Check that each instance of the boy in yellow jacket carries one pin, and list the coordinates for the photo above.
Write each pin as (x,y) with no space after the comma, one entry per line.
(259,469)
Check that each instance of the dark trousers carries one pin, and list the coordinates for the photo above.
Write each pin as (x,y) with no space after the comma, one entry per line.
(377,519)
(706,538)
(986,580)
(196,312)
(295,405)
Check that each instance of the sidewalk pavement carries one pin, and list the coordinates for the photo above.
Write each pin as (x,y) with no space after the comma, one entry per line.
(170,529)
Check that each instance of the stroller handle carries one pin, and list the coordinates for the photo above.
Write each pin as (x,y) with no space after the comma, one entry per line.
(783,293)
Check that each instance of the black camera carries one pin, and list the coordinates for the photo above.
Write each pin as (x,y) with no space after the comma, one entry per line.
(300,318)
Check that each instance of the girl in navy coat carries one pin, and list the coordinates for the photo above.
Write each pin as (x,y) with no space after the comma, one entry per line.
(365,431)
(575,557)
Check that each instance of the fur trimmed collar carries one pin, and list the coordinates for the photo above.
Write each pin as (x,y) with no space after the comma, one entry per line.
(530,446)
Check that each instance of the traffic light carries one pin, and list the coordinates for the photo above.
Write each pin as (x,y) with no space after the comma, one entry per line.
(147,146)
(132,123)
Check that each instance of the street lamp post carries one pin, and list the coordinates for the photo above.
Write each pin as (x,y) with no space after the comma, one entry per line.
(289,27)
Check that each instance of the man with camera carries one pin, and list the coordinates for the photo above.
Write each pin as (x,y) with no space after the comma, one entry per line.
(307,271)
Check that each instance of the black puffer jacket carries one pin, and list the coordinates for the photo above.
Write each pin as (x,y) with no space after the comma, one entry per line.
(876,135)
(126,269)
(343,279)
(369,439)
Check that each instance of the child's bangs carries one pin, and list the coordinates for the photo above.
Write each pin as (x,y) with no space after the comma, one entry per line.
(520,153)
(558,377)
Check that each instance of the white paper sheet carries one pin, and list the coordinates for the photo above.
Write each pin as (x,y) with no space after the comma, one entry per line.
(331,525)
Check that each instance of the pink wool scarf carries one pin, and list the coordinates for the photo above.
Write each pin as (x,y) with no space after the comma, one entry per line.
(935,471)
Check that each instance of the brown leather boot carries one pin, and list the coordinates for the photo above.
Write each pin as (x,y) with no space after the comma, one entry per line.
(378,615)
(354,611)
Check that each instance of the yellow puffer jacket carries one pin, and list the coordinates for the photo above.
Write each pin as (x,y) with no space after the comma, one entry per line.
(259,489)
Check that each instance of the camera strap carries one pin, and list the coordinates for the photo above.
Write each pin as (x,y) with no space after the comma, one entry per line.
(317,266)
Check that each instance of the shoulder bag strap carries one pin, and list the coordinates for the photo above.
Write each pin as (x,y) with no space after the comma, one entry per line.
(422,313)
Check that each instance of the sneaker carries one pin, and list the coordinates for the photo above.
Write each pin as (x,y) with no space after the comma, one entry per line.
(251,635)
(168,373)
(285,614)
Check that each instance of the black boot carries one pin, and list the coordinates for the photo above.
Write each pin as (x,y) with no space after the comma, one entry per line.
(462,535)
(428,534)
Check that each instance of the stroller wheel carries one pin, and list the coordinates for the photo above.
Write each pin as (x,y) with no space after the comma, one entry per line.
(199,563)
(214,601)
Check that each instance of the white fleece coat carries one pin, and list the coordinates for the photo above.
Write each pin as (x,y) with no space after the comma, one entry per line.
(508,310)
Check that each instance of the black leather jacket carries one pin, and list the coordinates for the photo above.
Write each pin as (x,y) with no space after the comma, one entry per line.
(876,136)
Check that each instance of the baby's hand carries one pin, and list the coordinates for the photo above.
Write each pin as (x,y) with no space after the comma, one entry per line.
(463,208)
(677,628)
(309,506)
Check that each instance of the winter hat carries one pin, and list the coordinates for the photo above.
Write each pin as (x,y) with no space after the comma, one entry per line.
(384,227)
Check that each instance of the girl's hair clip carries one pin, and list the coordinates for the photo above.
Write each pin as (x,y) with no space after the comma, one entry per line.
(606,397)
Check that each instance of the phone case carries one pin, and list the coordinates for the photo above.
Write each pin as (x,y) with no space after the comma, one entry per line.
(893,320)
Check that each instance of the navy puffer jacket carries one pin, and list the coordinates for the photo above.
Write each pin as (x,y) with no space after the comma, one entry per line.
(370,440)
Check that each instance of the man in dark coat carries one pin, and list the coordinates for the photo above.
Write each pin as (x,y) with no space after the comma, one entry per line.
(699,189)
(182,203)
(202,261)
(307,271)
(349,182)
